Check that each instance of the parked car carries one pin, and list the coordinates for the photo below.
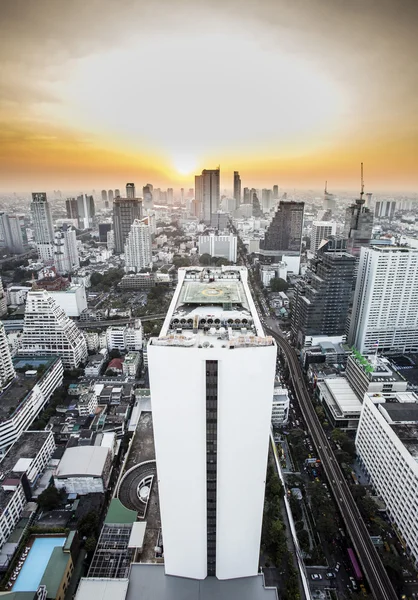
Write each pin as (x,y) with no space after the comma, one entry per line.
(316,576)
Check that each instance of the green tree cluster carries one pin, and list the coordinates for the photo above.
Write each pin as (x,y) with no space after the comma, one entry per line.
(51,498)
(278,285)
(107,280)
(323,511)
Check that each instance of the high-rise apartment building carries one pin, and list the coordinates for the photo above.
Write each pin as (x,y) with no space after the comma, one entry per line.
(130,190)
(266,199)
(86,211)
(358,226)
(385,308)
(138,253)
(47,331)
(275,192)
(284,234)
(257,212)
(170,196)
(125,211)
(216,359)
(329,200)
(219,245)
(207,192)
(321,230)
(7,371)
(104,196)
(117,193)
(147,196)
(247,196)
(66,259)
(110,195)
(3,300)
(43,229)
(385,209)
(13,233)
(237,188)
(322,298)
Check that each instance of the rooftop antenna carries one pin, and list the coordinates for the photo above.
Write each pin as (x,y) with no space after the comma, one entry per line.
(362,183)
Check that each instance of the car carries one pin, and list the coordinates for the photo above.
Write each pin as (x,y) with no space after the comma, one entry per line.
(316,576)
(337,567)
(330,575)
(353,583)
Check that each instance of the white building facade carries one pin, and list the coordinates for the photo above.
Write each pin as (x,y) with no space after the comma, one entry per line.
(385,308)
(73,300)
(321,230)
(219,245)
(215,359)
(48,331)
(280,408)
(43,230)
(7,371)
(66,259)
(386,445)
(138,253)
(125,337)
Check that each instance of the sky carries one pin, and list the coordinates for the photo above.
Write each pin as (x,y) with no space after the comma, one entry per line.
(95,93)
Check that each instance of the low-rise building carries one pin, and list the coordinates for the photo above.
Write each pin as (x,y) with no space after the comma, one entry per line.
(92,340)
(94,365)
(84,470)
(387,448)
(87,404)
(125,337)
(131,364)
(340,402)
(373,374)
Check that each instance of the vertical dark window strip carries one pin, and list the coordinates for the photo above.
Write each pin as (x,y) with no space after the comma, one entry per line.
(211,461)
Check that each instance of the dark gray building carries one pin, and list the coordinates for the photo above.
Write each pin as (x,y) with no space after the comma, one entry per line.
(125,211)
(358,226)
(237,188)
(322,298)
(284,234)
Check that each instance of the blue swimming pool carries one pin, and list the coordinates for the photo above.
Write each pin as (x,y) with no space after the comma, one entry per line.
(35,564)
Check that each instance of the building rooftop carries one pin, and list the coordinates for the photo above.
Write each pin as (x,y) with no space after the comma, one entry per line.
(401,412)
(83,461)
(101,589)
(19,456)
(340,397)
(55,570)
(118,513)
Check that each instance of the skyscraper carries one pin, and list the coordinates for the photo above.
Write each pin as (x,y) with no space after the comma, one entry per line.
(138,247)
(85,211)
(3,300)
(385,308)
(13,233)
(125,211)
(329,200)
(130,190)
(216,360)
(207,192)
(147,196)
(247,196)
(284,234)
(43,230)
(257,212)
(7,371)
(275,192)
(110,195)
(322,298)
(385,209)
(117,193)
(321,230)
(266,199)
(237,188)
(104,196)
(170,196)
(358,226)
(66,259)
(48,331)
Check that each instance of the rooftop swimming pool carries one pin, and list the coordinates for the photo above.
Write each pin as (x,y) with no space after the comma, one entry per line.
(34,566)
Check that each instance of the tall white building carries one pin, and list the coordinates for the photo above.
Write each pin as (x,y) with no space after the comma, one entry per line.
(73,300)
(66,257)
(207,193)
(125,337)
(386,445)
(42,226)
(48,331)
(280,408)
(212,378)
(321,230)
(3,300)
(138,253)
(219,245)
(385,309)
(7,371)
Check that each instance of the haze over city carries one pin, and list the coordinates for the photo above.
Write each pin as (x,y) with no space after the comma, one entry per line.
(95,94)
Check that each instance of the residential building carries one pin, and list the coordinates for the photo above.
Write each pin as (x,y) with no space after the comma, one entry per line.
(219,220)
(94,365)
(110,195)
(84,470)
(72,300)
(3,300)
(219,245)
(86,211)
(131,364)
(385,209)
(92,340)
(104,198)
(125,337)
(237,188)
(104,229)
(13,233)
(7,372)
(321,230)
(280,408)
(385,308)
(322,298)
(207,192)
(386,444)
(16,294)
(138,253)
(358,226)
(275,192)
(130,191)
(48,331)
(43,229)
(66,259)
(125,211)
(86,404)
(147,196)
(283,236)
(266,199)
(216,359)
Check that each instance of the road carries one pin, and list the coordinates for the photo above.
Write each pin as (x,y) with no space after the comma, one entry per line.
(372,566)
(110,322)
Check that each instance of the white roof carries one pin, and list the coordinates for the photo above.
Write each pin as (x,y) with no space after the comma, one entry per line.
(136,539)
(22,465)
(88,461)
(102,589)
(343,394)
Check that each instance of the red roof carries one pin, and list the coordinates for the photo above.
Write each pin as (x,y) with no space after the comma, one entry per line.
(116,363)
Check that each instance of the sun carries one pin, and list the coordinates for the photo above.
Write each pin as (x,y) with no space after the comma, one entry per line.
(185,165)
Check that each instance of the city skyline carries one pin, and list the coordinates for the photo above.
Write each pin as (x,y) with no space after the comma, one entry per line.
(294,94)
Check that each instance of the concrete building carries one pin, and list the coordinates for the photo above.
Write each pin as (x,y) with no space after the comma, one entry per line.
(219,245)
(72,300)
(358,226)
(284,234)
(3,300)
(280,408)
(321,230)
(125,211)
(7,372)
(385,308)
(125,337)
(94,365)
(43,230)
(322,298)
(340,403)
(216,359)
(237,188)
(207,192)
(386,445)
(48,331)
(16,295)
(66,259)
(385,209)
(130,191)
(104,229)
(373,374)
(84,470)
(138,253)
(13,233)
(86,211)
(131,364)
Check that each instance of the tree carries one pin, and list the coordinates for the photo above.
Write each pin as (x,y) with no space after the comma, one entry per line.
(303,537)
(278,285)
(367,506)
(88,525)
(115,353)
(50,498)
(181,261)
(327,526)
(205,260)
(320,412)
(222,261)
(90,544)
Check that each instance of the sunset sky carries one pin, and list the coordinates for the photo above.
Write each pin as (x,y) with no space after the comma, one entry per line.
(94,93)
